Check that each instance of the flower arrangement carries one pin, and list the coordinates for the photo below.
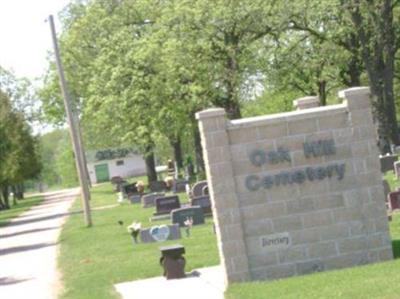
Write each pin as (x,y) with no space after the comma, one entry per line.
(140,186)
(188,223)
(134,230)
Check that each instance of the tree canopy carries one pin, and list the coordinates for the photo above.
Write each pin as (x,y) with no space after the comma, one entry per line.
(140,70)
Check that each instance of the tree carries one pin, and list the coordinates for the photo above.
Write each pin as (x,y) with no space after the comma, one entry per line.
(374,27)
(19,151)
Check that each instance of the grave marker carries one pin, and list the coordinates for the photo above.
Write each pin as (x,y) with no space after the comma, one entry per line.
(159,233)
(394,200)
(157,186)
(396,167)
(179,216)
(204,202)
(387,162)
(148,200)
(164,205)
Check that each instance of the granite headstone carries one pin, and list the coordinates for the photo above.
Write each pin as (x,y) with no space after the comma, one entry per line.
(394,200)
(181,215)
(164,205)
(157,186)
(204,202)
(149,200)
(158,233)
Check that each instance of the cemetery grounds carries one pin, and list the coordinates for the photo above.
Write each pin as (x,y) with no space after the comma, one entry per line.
(92,260)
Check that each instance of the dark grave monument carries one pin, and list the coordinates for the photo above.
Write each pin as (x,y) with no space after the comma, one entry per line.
(386,188)
(117,182)
(197,189)
(179,186)
(394,200)
(396,167)
(172,261)
(204,202)
(387,162)
(135,198)
(164,205)
(179,216)
(160,233)
(129,189)
(149,200)
(157,186)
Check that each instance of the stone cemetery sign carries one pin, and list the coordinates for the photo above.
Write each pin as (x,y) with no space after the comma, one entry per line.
(296,192)
(204,202)
(179,216)
(160,233)
(164,205)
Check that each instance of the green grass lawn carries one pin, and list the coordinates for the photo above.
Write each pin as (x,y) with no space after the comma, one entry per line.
(93,259)
(22,206)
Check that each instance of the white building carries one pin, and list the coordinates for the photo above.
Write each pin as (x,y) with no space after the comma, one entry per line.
(105,164)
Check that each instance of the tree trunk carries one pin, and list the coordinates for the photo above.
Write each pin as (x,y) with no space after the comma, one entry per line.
(18,191)
(150,164)
(378,45)
(2,205)
(322,92)
(198,149)
(5,196)
(176,144)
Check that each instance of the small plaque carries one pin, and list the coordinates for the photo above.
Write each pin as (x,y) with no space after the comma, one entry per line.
(275,241)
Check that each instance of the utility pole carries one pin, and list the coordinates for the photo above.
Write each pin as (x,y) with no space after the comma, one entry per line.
(74,131)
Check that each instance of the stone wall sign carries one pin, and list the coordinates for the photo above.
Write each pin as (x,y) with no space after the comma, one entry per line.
(296,192)
(275,241)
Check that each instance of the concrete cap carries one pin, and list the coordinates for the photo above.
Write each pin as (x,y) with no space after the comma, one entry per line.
(363,90)
(306,102)
(212,112)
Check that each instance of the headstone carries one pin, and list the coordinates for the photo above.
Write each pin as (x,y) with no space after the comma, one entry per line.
(180,215)
(179,186)
(387,162)
(173,261)
(197,189)
(135,198)
(157,186)
(386,188)
(149,200)
(204,202)
(397,169)
(164,205)
(157,233)
(394,200)
(129,189)
(116,180)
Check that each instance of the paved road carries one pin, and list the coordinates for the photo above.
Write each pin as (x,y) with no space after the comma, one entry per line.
(28,249)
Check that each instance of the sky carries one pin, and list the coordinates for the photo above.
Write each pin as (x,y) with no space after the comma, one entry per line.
(25,35)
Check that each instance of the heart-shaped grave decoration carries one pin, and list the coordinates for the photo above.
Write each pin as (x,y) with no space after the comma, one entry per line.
(160,233)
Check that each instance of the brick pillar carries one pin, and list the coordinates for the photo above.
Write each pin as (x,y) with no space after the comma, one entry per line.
(225,204)
(306,103)
(367,172)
